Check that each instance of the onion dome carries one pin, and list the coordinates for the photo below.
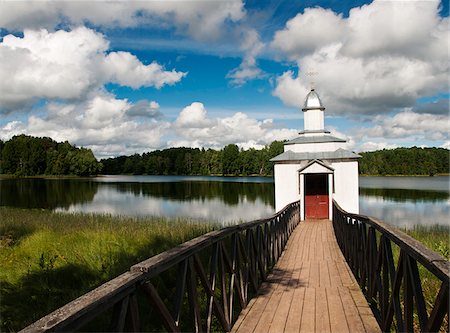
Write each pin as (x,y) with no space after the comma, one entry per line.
(313,102)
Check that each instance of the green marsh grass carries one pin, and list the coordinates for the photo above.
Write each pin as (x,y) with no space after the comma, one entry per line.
(48,259)
(436,238)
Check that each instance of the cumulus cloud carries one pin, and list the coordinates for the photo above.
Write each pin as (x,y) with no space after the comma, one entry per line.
(202,20)
(308,32)
(406,125)
(144,108)
(196,129)
(385,55)
(68,65)
(101,122)
(251,45)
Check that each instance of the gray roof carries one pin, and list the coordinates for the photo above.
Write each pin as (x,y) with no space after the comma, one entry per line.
(315,139)
(325,155)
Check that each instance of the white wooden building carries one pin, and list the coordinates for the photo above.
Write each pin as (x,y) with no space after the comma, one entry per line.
(316,168)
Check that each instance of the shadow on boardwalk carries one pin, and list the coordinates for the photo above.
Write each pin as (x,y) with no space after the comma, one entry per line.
(310,289)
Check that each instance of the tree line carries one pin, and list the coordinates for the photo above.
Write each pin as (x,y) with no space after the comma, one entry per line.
(405,161)
(25,155)
(194,161)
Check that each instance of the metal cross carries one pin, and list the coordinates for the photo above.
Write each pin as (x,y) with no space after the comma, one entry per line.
(312,74)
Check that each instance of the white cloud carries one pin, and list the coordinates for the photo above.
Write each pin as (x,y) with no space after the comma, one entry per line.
(68,65)
(252,46)
(101,122)
(193,116)
(405,126)
(372,146)
(292,91)
(385,55)
(308,32)
(144,108)
(203,20)
(194,128)
(125,69)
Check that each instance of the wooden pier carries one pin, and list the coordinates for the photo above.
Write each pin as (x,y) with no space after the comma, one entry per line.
(311,289)
(307,276)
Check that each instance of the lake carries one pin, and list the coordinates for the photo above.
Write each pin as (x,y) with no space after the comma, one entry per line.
(400,201)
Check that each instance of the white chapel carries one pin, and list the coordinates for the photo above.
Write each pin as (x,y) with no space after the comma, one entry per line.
(316,168)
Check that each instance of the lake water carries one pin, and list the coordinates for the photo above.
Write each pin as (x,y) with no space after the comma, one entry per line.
(401,201)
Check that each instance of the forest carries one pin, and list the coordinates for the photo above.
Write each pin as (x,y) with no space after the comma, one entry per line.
(405,161)
(193,161)
(24,155)
(28,156)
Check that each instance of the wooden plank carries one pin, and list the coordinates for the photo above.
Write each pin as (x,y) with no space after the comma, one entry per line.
(338,321)
(322,315)
(354,321)
(309,311)
(281,313)
(324,274)
(295,311)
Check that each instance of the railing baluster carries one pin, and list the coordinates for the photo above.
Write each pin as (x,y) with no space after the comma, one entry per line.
(407,297)
(193,296)
(440,309)
(119,315)
(418,293)
(179,295)
(373,265)
(160,307)
(212,282)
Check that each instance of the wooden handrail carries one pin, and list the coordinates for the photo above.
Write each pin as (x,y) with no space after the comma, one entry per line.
(367,244)
(223,267)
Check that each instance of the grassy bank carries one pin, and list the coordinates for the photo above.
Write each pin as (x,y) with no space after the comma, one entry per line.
(436,237)
(48,259)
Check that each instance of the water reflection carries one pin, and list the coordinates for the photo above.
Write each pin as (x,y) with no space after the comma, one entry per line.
(401,195)
(46,193)
(401,201)
(406,201)
(406,214)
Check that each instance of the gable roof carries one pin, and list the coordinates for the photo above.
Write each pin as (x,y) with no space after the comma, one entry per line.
(325,155)
(322,163)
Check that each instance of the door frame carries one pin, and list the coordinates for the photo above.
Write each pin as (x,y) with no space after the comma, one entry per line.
(316,167)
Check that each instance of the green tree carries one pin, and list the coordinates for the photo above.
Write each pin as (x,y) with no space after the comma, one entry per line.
(230,160)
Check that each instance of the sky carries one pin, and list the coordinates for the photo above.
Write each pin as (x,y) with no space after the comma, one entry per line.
(126,77)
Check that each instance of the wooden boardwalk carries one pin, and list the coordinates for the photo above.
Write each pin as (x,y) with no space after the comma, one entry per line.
(311,289)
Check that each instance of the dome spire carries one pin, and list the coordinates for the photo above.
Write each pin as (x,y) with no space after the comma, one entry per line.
(313,112)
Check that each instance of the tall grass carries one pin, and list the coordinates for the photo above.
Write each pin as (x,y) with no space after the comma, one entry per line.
(436,238)
(47,259)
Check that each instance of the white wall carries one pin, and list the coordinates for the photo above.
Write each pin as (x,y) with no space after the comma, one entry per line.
(313,120)
(346,185)
(315,147)
(286,184)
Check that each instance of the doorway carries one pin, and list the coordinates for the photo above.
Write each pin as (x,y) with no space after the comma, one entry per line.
(316,196)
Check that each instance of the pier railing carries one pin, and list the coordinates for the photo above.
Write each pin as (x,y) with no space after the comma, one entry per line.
(393,269)
(201,285)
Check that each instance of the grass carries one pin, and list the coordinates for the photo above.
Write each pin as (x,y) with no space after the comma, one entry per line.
(436,238)
(49,259)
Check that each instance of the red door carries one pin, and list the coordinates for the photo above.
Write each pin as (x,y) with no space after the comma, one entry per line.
(316,196)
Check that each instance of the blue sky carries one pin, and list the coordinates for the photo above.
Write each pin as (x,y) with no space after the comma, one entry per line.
(129,77)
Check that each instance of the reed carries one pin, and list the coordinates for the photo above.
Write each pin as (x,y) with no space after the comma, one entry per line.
(49,258)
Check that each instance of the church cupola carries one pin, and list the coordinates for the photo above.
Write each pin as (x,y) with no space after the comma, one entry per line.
(313,113)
